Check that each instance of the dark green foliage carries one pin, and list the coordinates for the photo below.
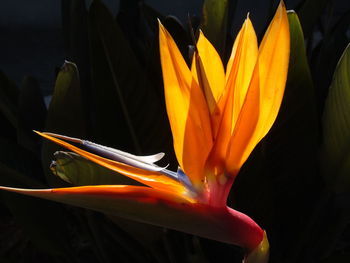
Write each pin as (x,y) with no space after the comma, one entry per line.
(20,167)
(336,122)
(281,173)
(309,14)
(65,114)
(214,22)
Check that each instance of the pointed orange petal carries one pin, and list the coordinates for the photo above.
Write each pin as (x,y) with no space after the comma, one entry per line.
(265,92)
(209,67)
(241,73)
(242,61)
(160,208)
(150,178)
(187,110)
(273,68)
(240,144)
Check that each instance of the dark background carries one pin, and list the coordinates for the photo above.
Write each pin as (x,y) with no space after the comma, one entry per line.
(276,186)
(31,31)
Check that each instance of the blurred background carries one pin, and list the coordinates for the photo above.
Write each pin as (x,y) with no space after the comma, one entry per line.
(32,40)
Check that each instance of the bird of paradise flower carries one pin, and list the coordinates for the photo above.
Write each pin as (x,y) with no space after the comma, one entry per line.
(217,117)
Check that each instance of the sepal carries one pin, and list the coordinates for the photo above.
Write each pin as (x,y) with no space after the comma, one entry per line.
(260,254)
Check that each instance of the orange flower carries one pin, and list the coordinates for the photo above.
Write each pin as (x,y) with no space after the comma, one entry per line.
(217,117)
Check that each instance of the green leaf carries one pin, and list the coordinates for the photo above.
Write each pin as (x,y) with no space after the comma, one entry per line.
(214,22)
(336,128)
(74,23)
(112,114)
(79,171)
(76,40)
(326,55)
(42,221)
(309,12)
(128,109)
(65,114)
(280,175)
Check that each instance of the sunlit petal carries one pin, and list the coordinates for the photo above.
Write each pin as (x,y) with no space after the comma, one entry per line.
(273,68)
(241,74)
(242,61)
(187,110)
(265,92)
(207,65)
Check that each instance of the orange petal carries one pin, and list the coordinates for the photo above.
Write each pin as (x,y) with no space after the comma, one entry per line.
(241,73)
(265,92)
(241,142)
(241,64)
(187,110)
(150,178)
(208,70)
(273,69)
